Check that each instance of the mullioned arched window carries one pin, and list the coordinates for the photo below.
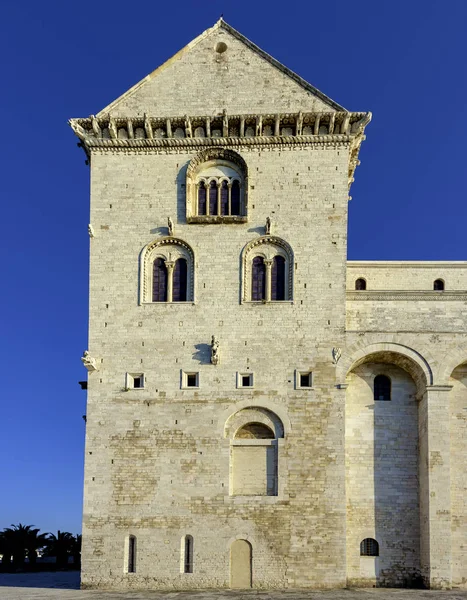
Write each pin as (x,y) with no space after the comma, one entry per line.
(167,271)
(267,265)
(217,187)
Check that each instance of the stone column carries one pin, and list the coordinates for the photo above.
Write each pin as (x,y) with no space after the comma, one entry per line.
(170,279)
(268,263)
(435,487)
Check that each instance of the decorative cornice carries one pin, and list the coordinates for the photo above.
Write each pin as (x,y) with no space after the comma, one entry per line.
(428,295)
(297,129)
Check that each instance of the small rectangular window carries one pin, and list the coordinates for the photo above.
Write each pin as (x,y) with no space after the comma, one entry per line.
(190,380)
(244,380)
(303,379)
(134,381)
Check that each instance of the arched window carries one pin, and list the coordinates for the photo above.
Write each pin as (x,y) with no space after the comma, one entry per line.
(235,199)
(369,547)
(187,554)
(382,388)
(278,278)
(131,554)
(360,284)
(267,264)
(254,452)
(167,271)
(224,198)
(179,280)
(202,198)
(438,285)
(213,198)
(217,187)
(258,279)
(159,281)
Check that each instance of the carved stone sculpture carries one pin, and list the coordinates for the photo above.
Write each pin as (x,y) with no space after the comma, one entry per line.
(336,354)
(268,226)
(170,226)
(89,362)
(214,350)
(79,131)
(90,230)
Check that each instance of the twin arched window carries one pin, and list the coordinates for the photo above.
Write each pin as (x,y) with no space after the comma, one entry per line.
(170,280)
(267,270)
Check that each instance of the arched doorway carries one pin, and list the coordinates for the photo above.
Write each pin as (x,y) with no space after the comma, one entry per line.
(240,564)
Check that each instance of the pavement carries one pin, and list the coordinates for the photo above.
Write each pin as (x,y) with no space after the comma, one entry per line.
(65,586)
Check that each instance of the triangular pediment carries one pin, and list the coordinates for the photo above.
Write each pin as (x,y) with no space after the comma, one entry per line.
(220,70)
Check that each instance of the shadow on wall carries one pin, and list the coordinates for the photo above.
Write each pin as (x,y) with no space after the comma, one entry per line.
(181,193)
(203,353)
(396,478)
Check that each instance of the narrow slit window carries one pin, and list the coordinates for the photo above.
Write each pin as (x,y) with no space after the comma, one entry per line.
(369,547)
(188,555)
(132,554)
(382,388)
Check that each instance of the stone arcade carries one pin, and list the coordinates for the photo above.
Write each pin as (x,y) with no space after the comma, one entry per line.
(261,412)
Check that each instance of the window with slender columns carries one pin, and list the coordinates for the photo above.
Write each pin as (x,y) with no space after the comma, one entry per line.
(267,270)
(167,271)
(217,187)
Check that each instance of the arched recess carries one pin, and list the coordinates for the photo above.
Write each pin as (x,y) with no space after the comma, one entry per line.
(267,247)
(241,563)
(382,461)
(224,168)
(254,435)
(169,249)
(388,352)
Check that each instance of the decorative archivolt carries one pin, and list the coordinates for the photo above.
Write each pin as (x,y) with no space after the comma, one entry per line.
(255,416)
(170,249)
(227,172)
(267,247)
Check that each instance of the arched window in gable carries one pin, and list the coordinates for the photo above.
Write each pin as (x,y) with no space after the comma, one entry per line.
(217,187)
(382,388)
(369,547)
(360,284)
(180,280)
(159,281)
(278,278)
(438,285)
(267,264)
(258,279)
(167,271)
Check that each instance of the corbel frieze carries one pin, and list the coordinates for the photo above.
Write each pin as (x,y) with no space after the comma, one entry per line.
(251,130)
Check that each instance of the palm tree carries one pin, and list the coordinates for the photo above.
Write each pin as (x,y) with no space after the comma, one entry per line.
(5,550)
(76,550)
(60,546)
(21,539)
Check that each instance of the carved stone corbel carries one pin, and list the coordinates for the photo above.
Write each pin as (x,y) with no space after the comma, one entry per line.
(113,128)
(214,350)
(89,362)
(170,226)
(169,128)
(148,127)
(91,230)
(95,126)
(299,124)
(131,133)
(188,128)
(225,124)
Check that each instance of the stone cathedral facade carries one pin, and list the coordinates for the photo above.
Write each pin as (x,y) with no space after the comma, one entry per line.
(261,412)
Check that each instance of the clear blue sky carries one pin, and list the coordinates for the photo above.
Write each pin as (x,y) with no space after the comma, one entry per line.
(403,60)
